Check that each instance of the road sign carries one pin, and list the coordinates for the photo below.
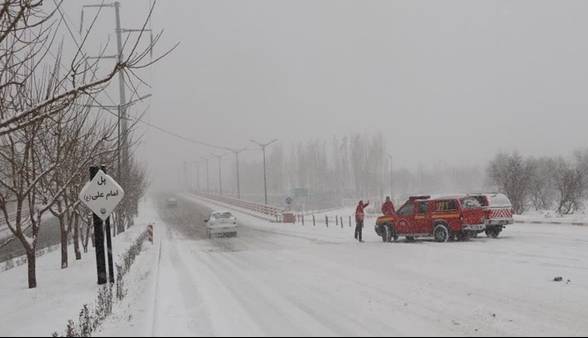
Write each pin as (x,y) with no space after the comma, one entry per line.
(102,194)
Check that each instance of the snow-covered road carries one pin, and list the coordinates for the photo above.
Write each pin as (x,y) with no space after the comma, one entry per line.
(277,279)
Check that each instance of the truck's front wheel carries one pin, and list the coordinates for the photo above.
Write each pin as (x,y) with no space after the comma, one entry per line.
(441,233)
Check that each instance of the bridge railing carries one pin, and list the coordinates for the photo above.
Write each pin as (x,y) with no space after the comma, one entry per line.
(267,210)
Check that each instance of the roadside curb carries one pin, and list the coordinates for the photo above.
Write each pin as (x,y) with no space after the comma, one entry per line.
(551,222)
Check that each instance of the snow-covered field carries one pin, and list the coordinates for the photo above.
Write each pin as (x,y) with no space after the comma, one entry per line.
(60,293)
(280,279)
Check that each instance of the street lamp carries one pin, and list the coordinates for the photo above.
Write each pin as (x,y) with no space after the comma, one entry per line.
(263,146)
(237,152)
(206,159)
(220,175)
(186,179)
(196,184)
(391,175)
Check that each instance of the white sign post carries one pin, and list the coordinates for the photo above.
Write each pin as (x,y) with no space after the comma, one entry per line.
(102,194)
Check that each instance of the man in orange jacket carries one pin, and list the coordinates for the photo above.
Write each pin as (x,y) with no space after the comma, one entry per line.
(388,207)
(359,216)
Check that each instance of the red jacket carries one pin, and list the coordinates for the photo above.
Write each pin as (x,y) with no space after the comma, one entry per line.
(359,212)
(388,208)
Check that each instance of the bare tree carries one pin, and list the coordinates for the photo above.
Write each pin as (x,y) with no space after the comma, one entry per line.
(542,188)
(512,175)
(570,184)
(73,144)
(46,140)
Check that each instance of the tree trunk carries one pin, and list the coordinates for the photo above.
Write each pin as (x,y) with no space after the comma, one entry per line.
(32,261)
(77,236)
(86,240)
(63,231)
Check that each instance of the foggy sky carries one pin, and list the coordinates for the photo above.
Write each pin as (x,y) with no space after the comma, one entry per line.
(446,82)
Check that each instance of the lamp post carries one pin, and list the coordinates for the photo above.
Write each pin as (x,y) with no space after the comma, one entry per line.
(205,159)
(391,176)
(237,152)
(220,174)
(263,146)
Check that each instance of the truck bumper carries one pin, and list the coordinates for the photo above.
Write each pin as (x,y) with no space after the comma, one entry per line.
(474,227)
(495,222)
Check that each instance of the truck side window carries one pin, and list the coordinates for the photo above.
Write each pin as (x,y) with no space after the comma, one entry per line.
(422,208)
(449,205)
(452,205)
(406,210)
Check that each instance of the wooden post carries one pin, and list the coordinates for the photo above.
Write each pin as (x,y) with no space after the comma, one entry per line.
(99,240)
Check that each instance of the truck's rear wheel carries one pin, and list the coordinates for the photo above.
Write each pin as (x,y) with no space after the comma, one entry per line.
(464,236)
(441,233)
(493,232)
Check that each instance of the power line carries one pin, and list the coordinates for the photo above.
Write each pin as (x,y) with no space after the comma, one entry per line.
(161,129)
(67,21)
(178,136)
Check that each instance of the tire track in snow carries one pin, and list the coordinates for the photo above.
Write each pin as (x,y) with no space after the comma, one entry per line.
(277,316)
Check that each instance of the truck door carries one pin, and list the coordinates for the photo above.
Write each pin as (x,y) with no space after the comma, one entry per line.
(422,218)
(404,225)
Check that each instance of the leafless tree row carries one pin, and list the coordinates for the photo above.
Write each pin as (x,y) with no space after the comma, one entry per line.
(49,134)
(546,183)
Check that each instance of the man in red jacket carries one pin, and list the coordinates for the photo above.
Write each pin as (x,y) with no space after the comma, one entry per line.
(388,207)
(359,216)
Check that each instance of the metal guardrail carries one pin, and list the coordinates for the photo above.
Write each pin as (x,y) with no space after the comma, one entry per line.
(263,209)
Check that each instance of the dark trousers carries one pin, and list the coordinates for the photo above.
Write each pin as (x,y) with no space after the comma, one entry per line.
(358,229)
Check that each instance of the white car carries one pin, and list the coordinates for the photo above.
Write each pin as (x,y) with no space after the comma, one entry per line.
(221,224)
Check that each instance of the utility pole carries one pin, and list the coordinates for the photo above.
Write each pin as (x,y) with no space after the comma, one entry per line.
(122,110)
(122,124)
(263,146)
(237,152)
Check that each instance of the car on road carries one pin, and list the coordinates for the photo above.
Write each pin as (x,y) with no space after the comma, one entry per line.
(172,202)
(443,218)
(499,212)
(221,224)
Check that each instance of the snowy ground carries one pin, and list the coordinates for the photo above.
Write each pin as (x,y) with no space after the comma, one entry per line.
(278,279)
(60,293)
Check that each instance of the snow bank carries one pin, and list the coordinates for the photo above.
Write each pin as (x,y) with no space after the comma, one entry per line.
(60,293)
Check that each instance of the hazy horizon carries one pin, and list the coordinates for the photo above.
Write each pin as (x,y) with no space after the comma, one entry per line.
(447,83)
